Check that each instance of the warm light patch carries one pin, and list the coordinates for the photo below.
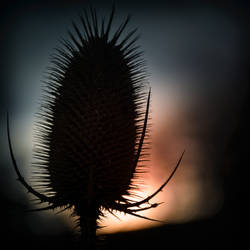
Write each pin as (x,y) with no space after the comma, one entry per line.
(128,222)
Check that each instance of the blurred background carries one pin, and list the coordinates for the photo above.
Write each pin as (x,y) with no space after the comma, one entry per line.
(198,59)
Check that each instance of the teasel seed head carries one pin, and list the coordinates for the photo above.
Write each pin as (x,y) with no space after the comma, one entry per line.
(88,124)
(91,133)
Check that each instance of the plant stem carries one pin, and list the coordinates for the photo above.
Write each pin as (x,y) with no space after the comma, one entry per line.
(88,216)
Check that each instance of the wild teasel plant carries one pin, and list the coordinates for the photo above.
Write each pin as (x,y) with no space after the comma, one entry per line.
(91,127)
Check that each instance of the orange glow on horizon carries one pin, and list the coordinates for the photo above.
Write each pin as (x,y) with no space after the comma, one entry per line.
(125,222)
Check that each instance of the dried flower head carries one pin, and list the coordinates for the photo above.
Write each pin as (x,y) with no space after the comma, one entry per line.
(91,126)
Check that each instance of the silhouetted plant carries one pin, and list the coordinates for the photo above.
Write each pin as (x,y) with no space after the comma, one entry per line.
(89,136)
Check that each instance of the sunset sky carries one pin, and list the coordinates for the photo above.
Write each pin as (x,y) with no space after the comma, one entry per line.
(193,55)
